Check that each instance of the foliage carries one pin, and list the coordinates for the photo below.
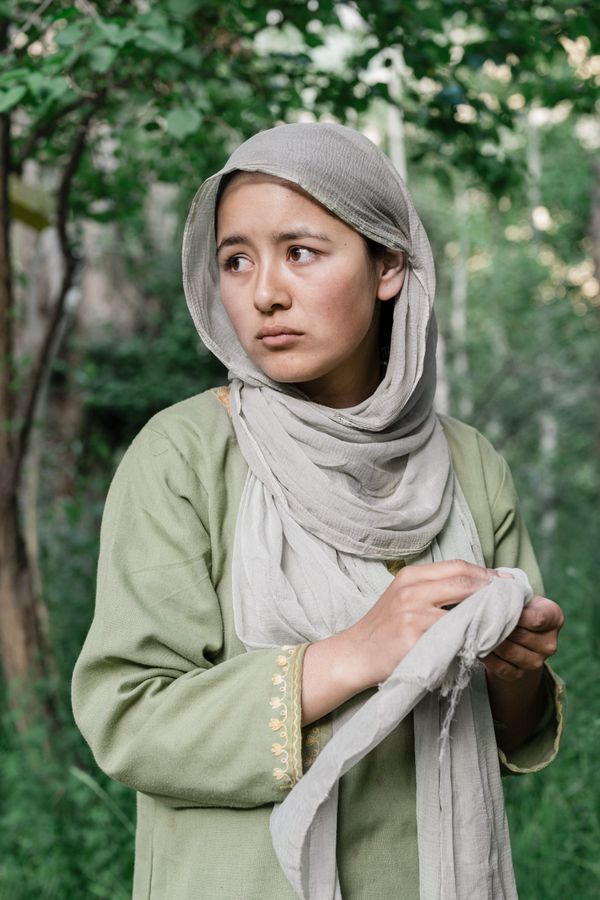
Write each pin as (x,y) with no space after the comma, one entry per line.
(169,90)
(532,343)
(172,88)
(555,815)
(466,72)
(125,380)
(166,93)
(65,829)
(59,837)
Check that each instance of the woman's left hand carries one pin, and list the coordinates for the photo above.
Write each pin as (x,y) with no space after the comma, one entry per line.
(528,647)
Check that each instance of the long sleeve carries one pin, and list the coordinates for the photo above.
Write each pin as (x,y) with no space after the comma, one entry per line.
(489,489)
(165,707)
(513,547)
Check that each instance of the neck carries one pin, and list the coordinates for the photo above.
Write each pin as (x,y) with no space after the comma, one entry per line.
(350,392)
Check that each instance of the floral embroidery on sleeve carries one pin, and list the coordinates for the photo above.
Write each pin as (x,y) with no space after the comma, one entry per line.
(286,716)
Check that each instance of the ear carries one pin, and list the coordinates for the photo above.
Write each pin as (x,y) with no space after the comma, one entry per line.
(391,274)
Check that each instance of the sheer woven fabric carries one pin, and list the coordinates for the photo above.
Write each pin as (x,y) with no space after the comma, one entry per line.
(463,840)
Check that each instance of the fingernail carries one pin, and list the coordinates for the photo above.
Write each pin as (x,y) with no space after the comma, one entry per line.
(503,574)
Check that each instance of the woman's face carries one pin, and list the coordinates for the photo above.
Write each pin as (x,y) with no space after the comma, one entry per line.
(300,290)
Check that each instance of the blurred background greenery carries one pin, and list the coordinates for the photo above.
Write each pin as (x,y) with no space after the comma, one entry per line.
(111,114)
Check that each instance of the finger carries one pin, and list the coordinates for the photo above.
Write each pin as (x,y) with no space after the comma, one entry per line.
(544,642)
(438,571)
(501,668)
(541,614)
(441,594)
(519,656)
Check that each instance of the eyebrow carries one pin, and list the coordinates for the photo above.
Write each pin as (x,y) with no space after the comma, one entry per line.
(278,237)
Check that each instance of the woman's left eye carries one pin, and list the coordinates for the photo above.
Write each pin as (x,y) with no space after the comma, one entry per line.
(301,254)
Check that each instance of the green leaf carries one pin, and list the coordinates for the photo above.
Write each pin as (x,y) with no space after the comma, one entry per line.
(56,88)
(102,58)
(117,35)
(11,97)
(36,83)
(183,8)
(172,41)
(183,122)
(69,35)
(13,74)
(156,20)
(44,87)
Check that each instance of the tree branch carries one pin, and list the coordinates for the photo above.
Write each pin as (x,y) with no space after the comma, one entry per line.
(70,262)
(45,127)
(6,296)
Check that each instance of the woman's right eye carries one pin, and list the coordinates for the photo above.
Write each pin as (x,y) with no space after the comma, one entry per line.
(236,263)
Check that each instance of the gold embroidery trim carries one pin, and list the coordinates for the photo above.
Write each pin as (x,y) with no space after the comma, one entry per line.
(557,687)
(285,724)
(222,395)
(311,746)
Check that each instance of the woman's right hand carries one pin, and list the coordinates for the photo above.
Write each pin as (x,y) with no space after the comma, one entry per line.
(365,654)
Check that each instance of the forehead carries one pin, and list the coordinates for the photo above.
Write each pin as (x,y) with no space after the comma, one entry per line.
(238,180)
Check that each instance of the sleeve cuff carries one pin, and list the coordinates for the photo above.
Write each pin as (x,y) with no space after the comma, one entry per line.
(541,748)
(311,745)
(286,715)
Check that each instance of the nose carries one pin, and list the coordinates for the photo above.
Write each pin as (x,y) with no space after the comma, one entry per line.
(270,290)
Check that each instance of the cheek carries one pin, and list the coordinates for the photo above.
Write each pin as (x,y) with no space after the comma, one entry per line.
(350,303)
(228,302)
(340,293)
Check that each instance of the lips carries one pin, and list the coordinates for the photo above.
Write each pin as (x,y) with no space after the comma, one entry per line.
(272,331)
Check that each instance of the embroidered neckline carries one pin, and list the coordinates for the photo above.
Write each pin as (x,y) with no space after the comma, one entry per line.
(222,395)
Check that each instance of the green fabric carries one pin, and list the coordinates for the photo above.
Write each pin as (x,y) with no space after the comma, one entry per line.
(208,733)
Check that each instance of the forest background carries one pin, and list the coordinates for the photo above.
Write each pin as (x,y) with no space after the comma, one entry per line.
(111,113)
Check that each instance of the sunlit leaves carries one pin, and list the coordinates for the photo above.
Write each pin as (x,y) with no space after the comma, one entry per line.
(11,97)
(183,122)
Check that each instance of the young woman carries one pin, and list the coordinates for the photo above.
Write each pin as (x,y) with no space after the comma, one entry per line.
(275,551)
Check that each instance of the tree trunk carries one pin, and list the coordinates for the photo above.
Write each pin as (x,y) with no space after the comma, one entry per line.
(547,490)
(20,637)
(549,431)
(395,119)
(595,238)
(22,643)
(534,171)
(458,307)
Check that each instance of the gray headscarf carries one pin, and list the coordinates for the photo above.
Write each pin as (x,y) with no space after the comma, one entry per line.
(392,488)
(330,495)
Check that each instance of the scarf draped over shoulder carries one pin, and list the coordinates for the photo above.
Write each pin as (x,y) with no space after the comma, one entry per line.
(331,494)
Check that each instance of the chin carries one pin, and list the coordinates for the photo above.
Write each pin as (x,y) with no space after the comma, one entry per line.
(288,378)
(287,374)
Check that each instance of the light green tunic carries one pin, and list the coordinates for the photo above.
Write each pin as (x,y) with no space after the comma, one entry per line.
(209,734)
